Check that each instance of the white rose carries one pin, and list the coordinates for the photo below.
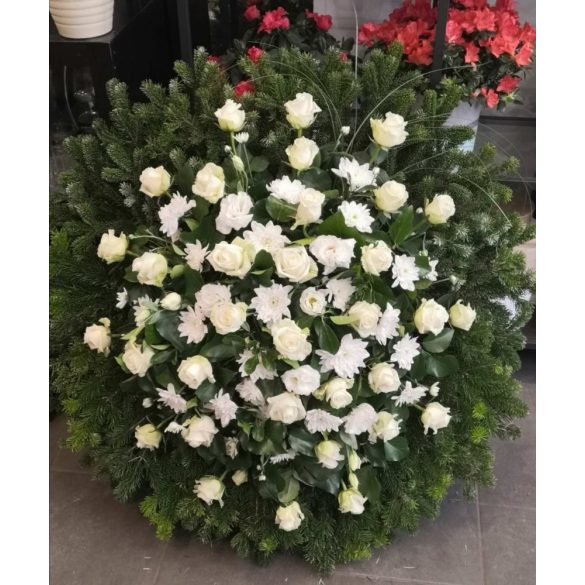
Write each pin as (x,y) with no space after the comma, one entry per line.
(328,454)
(234,259)
(462,316)
(147,437)
(303,380)
(310,207)
(376,257)
(230,116)
(351,501)
(335,391)
(171,302)
(332,252)
(150,268)
(286,408)
(435,417)
(440,209)
(228,317)
(390,131)
(112,248)
(301,153)
(210,489)
(366,317)
(289,518)
(135,360)
(295,264)
(383,378)
(210,183)
(240,476)
(290,340)
(313,301)
(391,196)
(194,370)
(231,447)
(386,427)
(430,317)
(154,182)
(301,111)
(98,336)
(234,212)
(200,431)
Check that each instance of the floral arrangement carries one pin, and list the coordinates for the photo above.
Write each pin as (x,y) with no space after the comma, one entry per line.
(487,48)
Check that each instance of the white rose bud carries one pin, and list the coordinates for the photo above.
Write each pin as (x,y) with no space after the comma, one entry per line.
(440,209)
(147,437)
(238,163)
(383,378)
(353,461)
(231,447)
(390,131)
(289,518)
(154,182)
(171,302)
(462,316)
(328,454)
(147,403)
(210,489)
(301,153)
(228,317)
(335,391)
(390,197)
(290,340)
(301,111)
(98,336)
(313,302)
(210,183)
(345,130)
(310,207)
(295,264)
(234,259)
(351,501)
(230,116)
(430,317)
(112,248)
(194,370)
(286,408)
(302,381)
(376,258)
(135,360)
(366,316)
(435,417)
(151,268)
(200,431)
(386,427)
(240,476)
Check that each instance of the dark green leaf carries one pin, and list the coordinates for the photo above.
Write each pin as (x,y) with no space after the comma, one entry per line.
(402,226)
(396,449)
(184,179)
(334,225)
(326,336)
(441,366)
(302,441)
(280,210)
(369,485)
(438,343)
(258,164)
(167,327)
(316,179)
(216,350)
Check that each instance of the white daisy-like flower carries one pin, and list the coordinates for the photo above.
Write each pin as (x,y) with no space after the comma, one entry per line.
(360,419)
(357,176)
(210,295)
(434,389)
(175,428)
(357,215)
(388,324)
(192,325)
(332,252)
(224,408)
(321,421)
(350,357)
(172,212)
(249,392)
(287,190)
(340,291)
(405,272)
(122,298)
(282,457)
(432,275)
(267,237)
(143,307)
(241,137)
(234,212)
(196,254)
(170,398)
(260,373)
(271,302)
(410,394)
(405,350)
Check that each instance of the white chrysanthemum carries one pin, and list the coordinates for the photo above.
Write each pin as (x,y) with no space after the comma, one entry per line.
(234,212)
(192,325)
(360,419)
(340,291)
(357,215)
(172,212)
(405,272)
(410,394)
(388,324)
(432,275)
(357,176)
(434,389)
(224,408)
(143,307)
(122,298)
(287,190)
(350,357)
(271,302)
(282,457)
(249,392)
(241,137)
(332,252)
(267,237)
(321,421)
(260,373)
(405,350)
(210,295)
(196,254)
(175,428)
(170,398)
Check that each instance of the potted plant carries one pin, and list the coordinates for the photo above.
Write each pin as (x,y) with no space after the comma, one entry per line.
(82,19)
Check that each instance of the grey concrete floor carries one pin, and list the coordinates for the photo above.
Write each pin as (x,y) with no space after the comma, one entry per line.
(98,541)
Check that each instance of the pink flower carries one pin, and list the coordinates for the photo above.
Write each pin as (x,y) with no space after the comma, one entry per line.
(274,20)
(251,13)
(243,88)
(322,21)
(491,97)
(508,84)
(254,54)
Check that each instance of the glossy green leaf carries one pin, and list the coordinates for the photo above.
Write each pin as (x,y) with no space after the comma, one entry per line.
(280,210)
(438,343)
(369,485)
(402,226)
(326,337)
(441,366)
(258,164)
(302,441)
(167,327)
(396,449)
(316,179)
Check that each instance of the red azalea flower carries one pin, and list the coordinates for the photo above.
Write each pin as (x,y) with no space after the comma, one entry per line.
(471,53)
(528,34)
(524,55)
(453,32)
(251,13)
(254,54)
(491,97)
(342,56)
(243,88)
(367,33)
(506,5)
(508,84)
(322,21)
(213,59)
(274,20)
(485,20)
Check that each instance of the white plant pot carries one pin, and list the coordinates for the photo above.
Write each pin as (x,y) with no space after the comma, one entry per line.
(465,115)
(82,19)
